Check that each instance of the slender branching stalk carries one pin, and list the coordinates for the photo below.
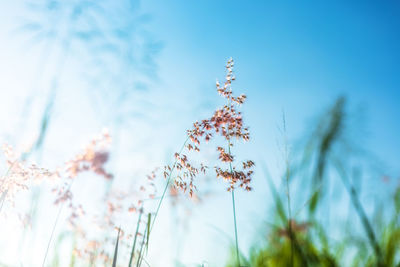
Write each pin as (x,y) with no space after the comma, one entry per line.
(167,184)
(163,195)
(233,195)
(228,123)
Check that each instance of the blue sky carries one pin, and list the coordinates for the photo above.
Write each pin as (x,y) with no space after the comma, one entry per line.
(326,49)
(291,57)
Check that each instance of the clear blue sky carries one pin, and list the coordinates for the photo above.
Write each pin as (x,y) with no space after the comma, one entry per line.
(293,56)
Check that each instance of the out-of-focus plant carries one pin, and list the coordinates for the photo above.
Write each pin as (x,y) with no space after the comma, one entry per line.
(226,122)
(108,39)
(21,176)
(116,54)
(308,241)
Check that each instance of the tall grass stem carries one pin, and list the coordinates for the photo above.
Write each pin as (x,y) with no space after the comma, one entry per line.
(54,227)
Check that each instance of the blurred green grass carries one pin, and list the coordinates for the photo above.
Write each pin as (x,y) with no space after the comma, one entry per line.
(370,240)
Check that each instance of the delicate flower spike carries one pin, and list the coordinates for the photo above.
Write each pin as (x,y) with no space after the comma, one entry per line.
(227,123)
(20,175)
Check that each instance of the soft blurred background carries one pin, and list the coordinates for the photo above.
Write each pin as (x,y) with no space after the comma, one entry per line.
(322,82)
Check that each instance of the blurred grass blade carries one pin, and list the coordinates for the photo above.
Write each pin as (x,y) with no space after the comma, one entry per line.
(139,260)
(397,200)
(116,250)
(361,212)
(279,205)
(329,132)
(148,231)
(135,238)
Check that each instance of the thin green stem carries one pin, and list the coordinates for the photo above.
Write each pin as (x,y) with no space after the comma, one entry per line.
(164,192)
(234,220)
(167,184)
(114,264)
(54,226)
(234,209)
(135,238)
(139,261)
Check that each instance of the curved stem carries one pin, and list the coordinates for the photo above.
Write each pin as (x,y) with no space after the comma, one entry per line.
(167,184)
(163,195)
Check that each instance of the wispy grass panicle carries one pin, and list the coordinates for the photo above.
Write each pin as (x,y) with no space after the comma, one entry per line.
(227,123)
(20,176)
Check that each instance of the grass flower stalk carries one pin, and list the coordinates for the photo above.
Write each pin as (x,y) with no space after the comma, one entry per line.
(226,122)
